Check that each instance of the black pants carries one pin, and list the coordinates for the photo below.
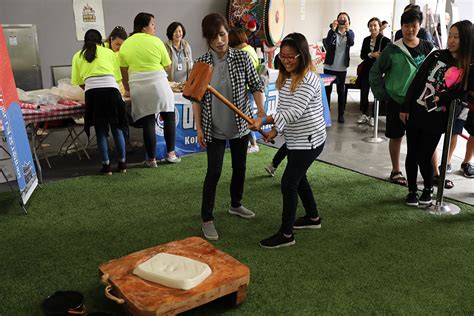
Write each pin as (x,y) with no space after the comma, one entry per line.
(215,158)
(294,183)
(420,148)
(364,86)
(341,90)
(280,155)
(149,134)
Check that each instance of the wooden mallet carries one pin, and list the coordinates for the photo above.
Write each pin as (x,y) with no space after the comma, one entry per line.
(199,81)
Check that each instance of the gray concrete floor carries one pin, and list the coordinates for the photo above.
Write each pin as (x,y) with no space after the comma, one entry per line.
(344,148)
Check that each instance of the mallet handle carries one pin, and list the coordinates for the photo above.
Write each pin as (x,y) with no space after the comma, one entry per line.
(235,109)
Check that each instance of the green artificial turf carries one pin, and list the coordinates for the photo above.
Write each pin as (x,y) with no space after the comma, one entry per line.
(372,255)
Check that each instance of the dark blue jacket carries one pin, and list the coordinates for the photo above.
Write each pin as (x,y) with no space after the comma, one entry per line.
(330,45)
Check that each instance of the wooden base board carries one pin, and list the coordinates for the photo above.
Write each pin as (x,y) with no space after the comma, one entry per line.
(146,298)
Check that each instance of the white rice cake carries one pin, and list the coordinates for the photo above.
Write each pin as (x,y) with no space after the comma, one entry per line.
(173,271)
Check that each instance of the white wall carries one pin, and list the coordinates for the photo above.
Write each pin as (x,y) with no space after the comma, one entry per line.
(54,20)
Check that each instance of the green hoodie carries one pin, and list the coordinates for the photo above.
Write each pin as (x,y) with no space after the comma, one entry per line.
(399,69)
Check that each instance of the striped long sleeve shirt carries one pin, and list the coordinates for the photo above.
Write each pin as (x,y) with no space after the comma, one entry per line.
(300,114)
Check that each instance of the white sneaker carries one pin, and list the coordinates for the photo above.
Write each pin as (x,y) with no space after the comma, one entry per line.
(173,159)
(363,119)
(372,122)
(253,149)
(270,169)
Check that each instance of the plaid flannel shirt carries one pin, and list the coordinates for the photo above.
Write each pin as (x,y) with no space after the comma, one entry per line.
(242,75)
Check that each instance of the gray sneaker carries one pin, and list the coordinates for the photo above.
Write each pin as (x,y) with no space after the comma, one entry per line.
(209,230)
(241,211)
(271,169)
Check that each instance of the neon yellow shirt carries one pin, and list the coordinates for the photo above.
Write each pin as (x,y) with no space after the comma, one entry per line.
(105,63)
(253,55)
(143,52)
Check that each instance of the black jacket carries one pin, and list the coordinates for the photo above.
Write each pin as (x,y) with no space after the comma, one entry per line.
(330,45)
(431,76)
(380,44)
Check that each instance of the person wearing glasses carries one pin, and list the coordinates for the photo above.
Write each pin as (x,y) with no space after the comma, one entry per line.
(338,41)
(180,53)
(300,119)
(233,76)
(96,69)
(143,61)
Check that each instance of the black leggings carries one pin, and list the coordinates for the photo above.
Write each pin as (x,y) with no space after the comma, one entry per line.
(280,155)
(364,85)
(420,148)
(149,134)
(294,183)
(341,90)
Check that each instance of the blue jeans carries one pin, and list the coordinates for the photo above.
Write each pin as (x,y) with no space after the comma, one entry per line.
(103,143)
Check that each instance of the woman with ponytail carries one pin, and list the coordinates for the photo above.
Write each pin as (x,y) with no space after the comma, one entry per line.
(300,119)
(96,69)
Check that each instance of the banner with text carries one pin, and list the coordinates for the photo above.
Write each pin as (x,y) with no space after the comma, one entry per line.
(14,127)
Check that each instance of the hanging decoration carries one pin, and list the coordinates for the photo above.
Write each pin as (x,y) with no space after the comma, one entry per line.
(262,19)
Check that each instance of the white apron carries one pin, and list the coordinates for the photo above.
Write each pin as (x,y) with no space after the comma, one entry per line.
(150,93)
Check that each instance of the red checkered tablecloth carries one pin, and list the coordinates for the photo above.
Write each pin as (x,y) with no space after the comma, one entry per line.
(52,112)
(42,113)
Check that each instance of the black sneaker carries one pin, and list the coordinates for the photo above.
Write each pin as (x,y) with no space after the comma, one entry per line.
(106,170)
(426,197)
(307,223)
(468,169)
(412,199)
(122,167)
(278,240)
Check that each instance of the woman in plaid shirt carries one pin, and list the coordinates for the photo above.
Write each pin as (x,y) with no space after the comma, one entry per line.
(216,123)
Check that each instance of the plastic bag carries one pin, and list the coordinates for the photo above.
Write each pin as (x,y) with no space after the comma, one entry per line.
(66,90)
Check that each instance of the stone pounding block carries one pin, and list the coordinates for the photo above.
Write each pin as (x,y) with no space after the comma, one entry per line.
(144,298)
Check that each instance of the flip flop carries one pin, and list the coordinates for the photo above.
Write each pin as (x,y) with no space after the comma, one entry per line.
(398,178)
(448,184)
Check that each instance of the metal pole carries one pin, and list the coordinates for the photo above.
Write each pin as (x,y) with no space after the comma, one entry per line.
(441,207)
(375,138)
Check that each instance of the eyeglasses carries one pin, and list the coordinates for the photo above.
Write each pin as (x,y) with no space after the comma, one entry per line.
(290,58)
(118,27)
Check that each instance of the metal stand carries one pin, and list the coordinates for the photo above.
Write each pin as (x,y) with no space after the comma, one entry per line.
(441,207)
(375,138)
(10,186)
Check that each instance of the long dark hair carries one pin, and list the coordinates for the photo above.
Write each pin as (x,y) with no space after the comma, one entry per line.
(464,55)
(298,42)
(117,32)
(92,38)
(141,20)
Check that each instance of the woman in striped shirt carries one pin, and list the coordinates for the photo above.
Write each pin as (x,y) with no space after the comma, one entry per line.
(300,119)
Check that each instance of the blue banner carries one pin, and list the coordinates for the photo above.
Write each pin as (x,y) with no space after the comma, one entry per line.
(186,136)
(19,147)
